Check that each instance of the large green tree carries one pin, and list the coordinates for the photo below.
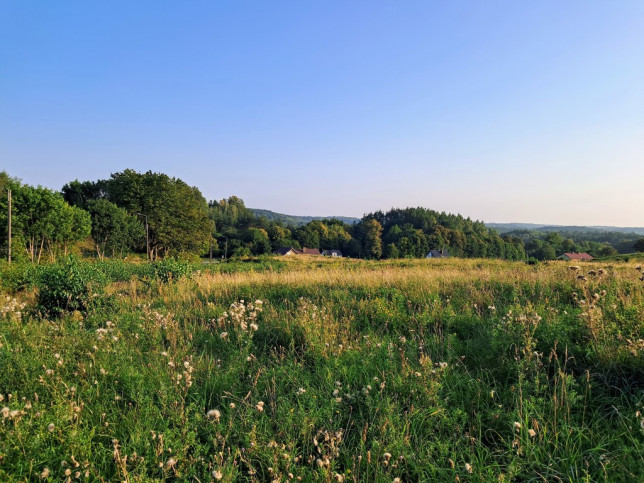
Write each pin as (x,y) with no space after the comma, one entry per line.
(177,214)
(114,230)
(372,238)
(42,222)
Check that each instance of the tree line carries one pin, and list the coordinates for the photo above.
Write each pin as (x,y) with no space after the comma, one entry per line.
(549,245)
(162,216)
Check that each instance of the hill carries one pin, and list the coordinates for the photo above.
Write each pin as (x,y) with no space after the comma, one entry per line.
(508,227)
(300,220)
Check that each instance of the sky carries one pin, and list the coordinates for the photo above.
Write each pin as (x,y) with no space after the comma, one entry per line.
(502,111)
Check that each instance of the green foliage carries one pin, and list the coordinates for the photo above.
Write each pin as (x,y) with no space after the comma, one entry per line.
(639,245)
(114,231)
(43,224)
(68,285)
(482,370)
(170,269)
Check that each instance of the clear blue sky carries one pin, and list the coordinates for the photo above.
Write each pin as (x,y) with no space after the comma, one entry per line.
(501,111)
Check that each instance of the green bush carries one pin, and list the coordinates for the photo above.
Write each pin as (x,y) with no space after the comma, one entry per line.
(67,286)
(17,276)
(170,269)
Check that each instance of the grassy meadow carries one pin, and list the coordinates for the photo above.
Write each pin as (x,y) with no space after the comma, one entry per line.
(322,370)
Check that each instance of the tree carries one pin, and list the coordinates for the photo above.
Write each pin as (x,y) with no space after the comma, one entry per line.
(177,214)
(391,251)
(258,240)
(113,230)
(639,245)
(372,240)
(43,222)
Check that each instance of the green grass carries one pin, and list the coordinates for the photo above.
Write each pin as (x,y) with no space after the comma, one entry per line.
(366,371)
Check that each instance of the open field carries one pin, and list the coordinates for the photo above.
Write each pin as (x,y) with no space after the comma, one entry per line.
(323,370)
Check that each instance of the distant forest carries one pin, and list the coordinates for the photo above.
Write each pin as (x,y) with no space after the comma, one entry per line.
(162,216)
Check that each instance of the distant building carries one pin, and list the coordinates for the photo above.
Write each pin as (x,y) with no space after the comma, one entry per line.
(579,257)
(332,253)
(288,251)
(443,253)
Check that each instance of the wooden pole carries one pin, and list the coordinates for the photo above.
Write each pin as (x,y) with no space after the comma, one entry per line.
(9,230)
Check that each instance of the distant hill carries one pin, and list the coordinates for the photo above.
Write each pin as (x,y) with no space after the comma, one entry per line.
(300,220)
(508,227)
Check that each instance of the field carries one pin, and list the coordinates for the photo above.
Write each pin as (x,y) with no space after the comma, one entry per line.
(320,370)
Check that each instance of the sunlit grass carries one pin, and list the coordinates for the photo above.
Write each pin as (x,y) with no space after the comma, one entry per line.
(332,370)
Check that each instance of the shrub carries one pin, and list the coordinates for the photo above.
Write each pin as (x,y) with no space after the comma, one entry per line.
(170,269)
(67,286)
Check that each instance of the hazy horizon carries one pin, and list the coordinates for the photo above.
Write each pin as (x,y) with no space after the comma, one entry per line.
(503,112)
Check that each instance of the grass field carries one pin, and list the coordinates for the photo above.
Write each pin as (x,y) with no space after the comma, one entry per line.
(323,370)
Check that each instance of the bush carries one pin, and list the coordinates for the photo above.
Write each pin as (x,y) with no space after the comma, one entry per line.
(17,275)
(67,286)
(170,269)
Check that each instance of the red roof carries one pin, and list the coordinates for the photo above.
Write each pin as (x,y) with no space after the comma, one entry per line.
(310,251)
(578,256)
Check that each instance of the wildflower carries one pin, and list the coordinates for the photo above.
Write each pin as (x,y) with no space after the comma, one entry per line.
(217,475)
(51,427)
(260,406)
(468,468)
(103,371)
(5,412)
(223,335)
(68,472)
(170,463)
(45,473)
(532,433)
(164,354)
(387,455)
(301,391)
(517,425)
(214,414)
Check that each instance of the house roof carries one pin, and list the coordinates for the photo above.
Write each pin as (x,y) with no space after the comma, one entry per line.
(438,253)
(284,250)
(578,256)
(310,251)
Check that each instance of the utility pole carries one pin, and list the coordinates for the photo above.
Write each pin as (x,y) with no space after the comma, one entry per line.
(9,230)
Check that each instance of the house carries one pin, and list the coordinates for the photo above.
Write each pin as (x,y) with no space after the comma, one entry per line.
(294,251)
(332,253)
(287,251)
(442,253)
(580,257)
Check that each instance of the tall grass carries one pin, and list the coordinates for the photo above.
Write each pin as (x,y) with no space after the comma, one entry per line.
(468,370)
